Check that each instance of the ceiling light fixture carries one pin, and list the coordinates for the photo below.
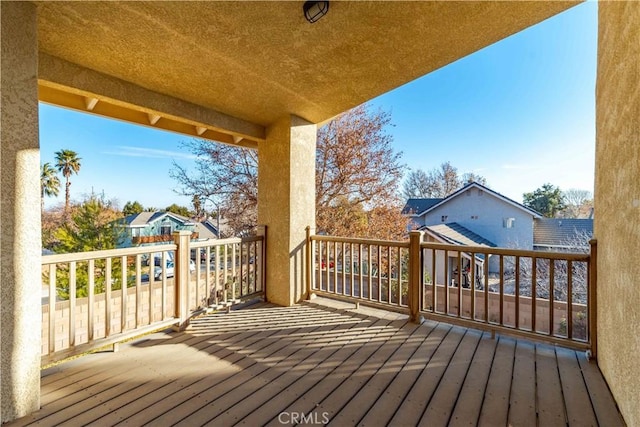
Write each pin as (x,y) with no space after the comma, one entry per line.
(314,10)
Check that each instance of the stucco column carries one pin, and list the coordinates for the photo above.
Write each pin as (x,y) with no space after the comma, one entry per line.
(286,204)
(617,202)
(20,244)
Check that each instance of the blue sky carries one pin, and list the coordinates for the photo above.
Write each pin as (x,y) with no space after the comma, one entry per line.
(520,112)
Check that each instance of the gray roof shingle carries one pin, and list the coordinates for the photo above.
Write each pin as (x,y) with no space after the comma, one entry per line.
(458,235)
(417,206)
(565,232)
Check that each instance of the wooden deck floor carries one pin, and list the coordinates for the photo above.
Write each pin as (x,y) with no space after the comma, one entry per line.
(266,365)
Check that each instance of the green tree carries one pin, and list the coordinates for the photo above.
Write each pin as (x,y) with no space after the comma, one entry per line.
(93,226)
(548,200)
(179,210)
(67,162)
(49,182)
(132,208)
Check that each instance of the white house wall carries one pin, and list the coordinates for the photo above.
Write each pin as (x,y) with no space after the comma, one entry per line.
(490,212)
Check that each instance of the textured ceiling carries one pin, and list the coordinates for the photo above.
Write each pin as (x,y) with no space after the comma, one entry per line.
(258,61)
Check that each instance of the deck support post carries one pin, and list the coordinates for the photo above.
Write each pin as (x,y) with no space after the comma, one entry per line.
(287,204)
(20,238)
(415,267)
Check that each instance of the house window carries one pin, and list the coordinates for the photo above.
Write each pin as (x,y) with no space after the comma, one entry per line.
(508,222)
(480,192)
(165,229)
(474,216)
(443,218)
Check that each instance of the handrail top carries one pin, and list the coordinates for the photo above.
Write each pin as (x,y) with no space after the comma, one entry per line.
(228,241)
(394,243)
(567,256)
(107,253)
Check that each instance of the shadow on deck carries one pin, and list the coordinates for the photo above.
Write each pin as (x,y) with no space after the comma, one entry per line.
(321,363)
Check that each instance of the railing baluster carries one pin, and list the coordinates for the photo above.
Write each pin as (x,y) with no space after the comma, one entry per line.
(351,268)
(552,274)
(123,292)
(501,290)
(379,272)
(485,268)
(446,282)
(107,297)
(517,292)
(163,276)
(52,306)
(138,291)
(569,300)
(360,282)
(335,269)
(91,298)
(72,303)
(534,292)
(472,285)
(369,277)
(434,287)
(399,275)
(152,281)
(459,284)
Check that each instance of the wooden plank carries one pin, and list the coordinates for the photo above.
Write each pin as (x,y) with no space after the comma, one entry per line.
(549,399)
(116,372)
(603,404)
(444,399)
(306,394)
(495,407)
(294,378)
(467,409)
(360,390)
(208,392)
(412,408)
(238,402)
(576,397)
(522,401)
(387,404)
(115,410)
(171,351)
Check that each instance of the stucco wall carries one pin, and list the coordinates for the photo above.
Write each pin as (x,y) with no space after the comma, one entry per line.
(617,202)
(20,240)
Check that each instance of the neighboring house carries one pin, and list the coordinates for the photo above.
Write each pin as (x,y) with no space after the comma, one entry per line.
(480,210)
(157,227)
(475,215)
(478,216)
(566,234)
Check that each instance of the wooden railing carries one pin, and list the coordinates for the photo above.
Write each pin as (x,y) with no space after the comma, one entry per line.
(541,295)
(103,297)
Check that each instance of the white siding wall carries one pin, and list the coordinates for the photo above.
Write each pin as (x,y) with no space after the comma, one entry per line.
(490,212)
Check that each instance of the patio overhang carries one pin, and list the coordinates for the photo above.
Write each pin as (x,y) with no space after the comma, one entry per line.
(227,70)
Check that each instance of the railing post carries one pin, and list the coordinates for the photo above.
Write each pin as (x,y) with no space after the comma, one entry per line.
(415,281)
(261,264)
(309,261)
(181,259)
(593,298)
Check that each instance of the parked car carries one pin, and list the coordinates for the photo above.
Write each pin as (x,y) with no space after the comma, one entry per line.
(157,271)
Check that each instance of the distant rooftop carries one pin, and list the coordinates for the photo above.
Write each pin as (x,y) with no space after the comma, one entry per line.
(456,234)
(417,206)
(562,232)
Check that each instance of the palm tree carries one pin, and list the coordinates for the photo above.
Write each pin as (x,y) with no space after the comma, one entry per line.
(49,182)
(67,162)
